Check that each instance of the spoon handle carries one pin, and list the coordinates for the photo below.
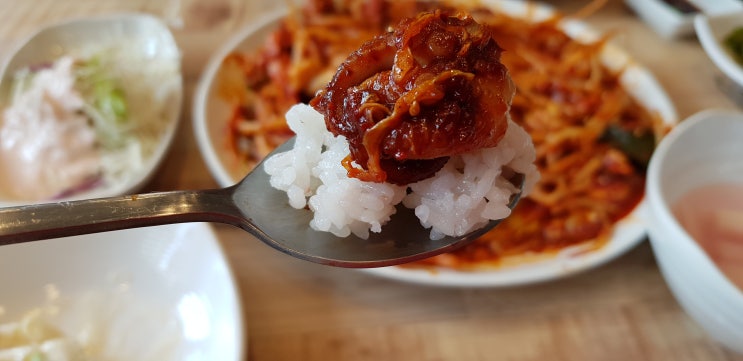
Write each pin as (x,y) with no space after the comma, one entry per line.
(42,221)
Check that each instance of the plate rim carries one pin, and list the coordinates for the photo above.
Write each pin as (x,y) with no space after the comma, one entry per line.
(241,328)
(199,119)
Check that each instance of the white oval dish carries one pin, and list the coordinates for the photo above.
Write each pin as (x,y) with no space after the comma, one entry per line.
(156,293)
(145,39)
(711,31)
(210,115)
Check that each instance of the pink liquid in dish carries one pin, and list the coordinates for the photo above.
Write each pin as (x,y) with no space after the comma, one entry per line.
(713,216)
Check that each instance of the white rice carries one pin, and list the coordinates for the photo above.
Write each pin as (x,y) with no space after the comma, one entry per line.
(469,191)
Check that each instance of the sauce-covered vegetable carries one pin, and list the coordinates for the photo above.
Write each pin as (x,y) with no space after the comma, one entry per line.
(734,42)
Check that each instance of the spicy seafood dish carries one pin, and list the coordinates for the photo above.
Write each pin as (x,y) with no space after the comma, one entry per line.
(417,115)
(592,138)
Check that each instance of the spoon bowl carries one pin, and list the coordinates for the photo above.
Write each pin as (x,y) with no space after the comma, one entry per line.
(251,204)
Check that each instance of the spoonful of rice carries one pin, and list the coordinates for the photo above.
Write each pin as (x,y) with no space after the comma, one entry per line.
(252,205)
(407,153)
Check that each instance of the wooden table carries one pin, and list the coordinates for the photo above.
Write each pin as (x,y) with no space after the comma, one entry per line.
(295,310)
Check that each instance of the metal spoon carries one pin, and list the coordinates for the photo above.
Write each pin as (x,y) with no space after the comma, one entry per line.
(253,205)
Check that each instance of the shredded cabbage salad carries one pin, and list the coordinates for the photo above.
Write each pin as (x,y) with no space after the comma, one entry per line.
(69,125)
(34,339)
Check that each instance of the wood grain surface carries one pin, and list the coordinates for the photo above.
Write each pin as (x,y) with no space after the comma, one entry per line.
(295,310)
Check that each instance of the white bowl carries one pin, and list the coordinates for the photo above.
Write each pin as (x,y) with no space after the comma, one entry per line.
(146,38)
(211,113)
(669,22)
(711,31)
(157,293)
(704,149)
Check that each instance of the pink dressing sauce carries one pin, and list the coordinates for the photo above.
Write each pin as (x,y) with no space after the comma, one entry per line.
(713,216)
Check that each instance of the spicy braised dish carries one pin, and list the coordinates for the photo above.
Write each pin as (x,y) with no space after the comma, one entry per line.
(412,97)
(592,138)
(416,116)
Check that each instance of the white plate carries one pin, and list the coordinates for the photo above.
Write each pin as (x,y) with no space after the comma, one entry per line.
(711,32)
(627,233)
(211,114)
(157,293)
(146,38)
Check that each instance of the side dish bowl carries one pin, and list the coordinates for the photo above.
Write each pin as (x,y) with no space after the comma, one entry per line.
(142,52)
(156,293)
(712,30)
(675,19)
(702,150)
(210,122)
